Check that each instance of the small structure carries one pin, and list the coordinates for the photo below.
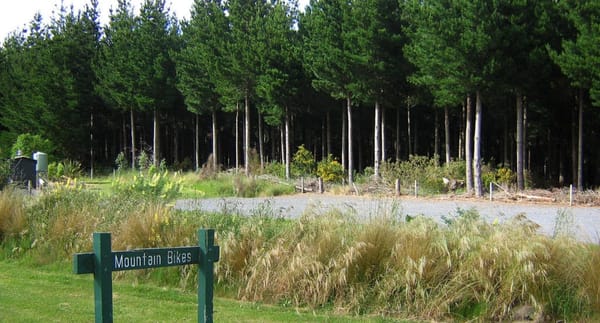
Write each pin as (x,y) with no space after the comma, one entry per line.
(42,162)
(23,171)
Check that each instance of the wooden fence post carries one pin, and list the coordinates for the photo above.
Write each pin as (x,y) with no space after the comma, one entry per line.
(103,277)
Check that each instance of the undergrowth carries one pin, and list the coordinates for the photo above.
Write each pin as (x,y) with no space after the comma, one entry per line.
(390,265)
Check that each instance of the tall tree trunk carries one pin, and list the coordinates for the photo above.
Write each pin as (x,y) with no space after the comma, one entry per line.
(580,145)
(344,138)
(288,155)
(526,162)
(350,155)
(376,142)
(469,145)
(505,160)
(156,139)
(132,124)
(261,150)
(124,136)
(410,145)
(247,134)
(282,141)
(237,137)
(478,184)
(574,145)
(520,150)
(92,144)
(447,134)
(461,133)
(197,142)
(436,137)
(383,155)
(328,125)
(397,146)
(214,140)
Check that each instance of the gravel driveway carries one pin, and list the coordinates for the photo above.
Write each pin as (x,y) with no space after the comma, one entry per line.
(585,220)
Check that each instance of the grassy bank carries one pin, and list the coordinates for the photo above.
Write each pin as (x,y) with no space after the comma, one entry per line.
(53,294)
(393,265)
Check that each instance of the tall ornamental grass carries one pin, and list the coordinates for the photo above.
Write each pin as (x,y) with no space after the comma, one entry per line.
(468,269)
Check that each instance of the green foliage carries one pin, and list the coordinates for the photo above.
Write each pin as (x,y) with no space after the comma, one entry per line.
(184,165)
(579,53)
(55,285)
(244,186)
(275,169)
(121,162)
(5,173)
(425,171)
(27,144)
(330,170)
(144,161)
(67,168)
(303,162)
(157,185)
(239,185)
(503,176)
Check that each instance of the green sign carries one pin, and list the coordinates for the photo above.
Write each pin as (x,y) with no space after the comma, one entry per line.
(103,261)
(140,259)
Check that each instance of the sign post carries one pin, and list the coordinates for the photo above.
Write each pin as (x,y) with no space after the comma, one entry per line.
(103,261)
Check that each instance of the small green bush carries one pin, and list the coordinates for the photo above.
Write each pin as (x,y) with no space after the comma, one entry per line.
(330,170)
(144,161)
(159,185)
(121,162)
(27,144)
(303,162)
(275,169)
(67,168)
(4,173)
(425,171)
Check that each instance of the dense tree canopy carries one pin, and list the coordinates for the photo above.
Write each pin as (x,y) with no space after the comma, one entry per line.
(147,82)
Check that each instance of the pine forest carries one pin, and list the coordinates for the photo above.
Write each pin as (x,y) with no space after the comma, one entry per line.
(244,83)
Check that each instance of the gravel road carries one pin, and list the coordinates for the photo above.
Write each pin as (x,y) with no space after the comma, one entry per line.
(585,220)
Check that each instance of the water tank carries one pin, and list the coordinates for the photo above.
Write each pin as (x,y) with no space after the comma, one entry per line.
(42,162)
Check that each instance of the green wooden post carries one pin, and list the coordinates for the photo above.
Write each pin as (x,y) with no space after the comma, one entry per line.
(103,277)
(209,253)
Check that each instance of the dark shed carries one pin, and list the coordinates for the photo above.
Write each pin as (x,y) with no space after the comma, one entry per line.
(23,171)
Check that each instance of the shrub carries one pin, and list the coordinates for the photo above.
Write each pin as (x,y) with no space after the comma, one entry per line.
(159,185)
(303,162)
(244,186)
(121,162)
(425,171)
(502,175)
(184,165)
(5,173)
(67,168)
(275,169)
(144,161)
(330,170)
(27,144)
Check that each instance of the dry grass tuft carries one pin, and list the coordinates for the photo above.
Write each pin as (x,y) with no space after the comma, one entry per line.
(152,225)
(13,218)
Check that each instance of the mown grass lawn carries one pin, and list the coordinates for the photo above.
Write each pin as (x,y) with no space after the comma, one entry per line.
(54,294)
